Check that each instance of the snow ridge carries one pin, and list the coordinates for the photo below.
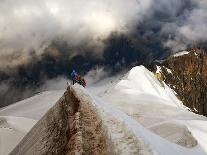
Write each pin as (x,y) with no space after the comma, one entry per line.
(121,138)
(136,114)
(152,142)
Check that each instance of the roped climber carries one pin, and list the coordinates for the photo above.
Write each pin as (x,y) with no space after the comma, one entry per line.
(76,78)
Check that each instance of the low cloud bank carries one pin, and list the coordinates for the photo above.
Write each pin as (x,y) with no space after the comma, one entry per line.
(28,27)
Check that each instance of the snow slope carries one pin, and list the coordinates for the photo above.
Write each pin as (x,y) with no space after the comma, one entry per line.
(150,142)
(17,119)
(140,84)
(153,104)
(142,116)
(34,107)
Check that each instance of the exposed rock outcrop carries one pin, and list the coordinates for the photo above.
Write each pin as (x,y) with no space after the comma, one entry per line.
(186,73)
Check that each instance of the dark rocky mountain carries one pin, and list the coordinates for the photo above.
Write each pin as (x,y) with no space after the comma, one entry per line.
(186,74)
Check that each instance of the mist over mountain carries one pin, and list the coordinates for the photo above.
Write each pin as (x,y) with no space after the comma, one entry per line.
(45,39)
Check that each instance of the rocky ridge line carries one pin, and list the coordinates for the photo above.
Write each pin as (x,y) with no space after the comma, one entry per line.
(186,74)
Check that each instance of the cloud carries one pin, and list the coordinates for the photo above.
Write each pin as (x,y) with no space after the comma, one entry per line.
(28,25)
(59,83)
(96,75)
(93,77)
(189,28)
(195,27)
(44,39)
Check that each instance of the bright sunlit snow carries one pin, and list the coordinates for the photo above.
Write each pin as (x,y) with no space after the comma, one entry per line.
(180,53)
(17,119)
(138,111)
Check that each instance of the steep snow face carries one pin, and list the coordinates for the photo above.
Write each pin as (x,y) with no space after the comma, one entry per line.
(127,134)
(17,119)
(153,104)
(141,85)
(34,107)
(12,130)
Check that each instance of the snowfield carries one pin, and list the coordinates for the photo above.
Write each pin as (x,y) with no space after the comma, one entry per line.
(16,120)
(141,114)
(154,106)
(181,53)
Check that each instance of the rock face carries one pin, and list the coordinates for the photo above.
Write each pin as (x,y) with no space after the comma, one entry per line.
(71,127)
(186,73)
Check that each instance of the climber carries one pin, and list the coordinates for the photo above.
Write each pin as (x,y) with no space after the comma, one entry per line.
(73,76)
(83,82)
(80,80)
(77,79)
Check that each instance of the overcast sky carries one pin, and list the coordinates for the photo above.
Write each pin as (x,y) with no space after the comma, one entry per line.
(27,25)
